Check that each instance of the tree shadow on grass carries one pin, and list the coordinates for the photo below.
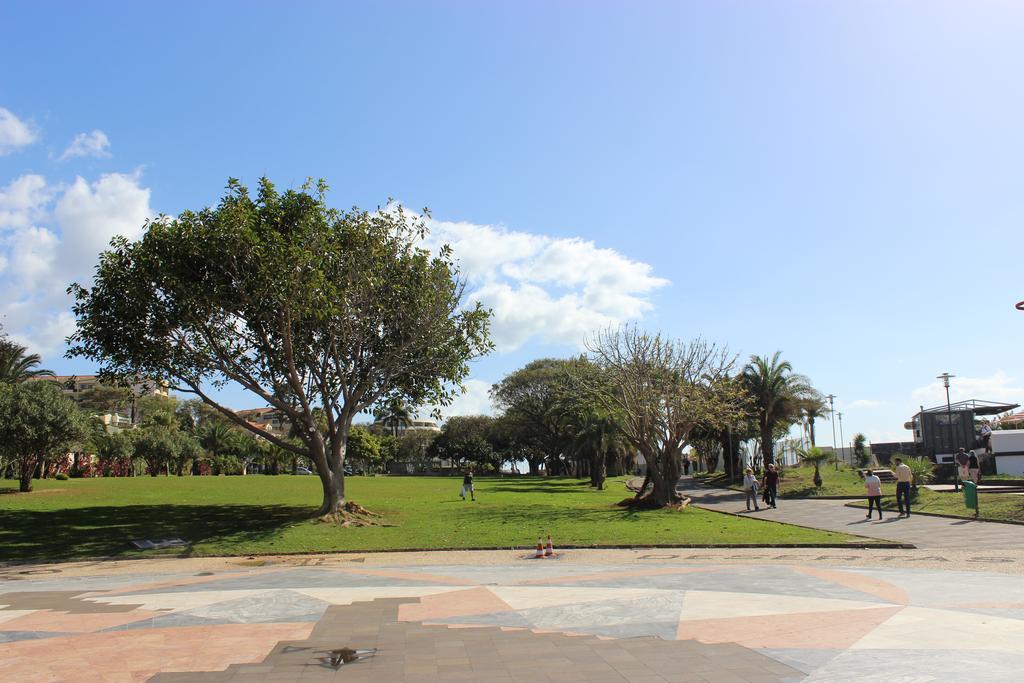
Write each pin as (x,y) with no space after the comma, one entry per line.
(544,486)
(108,531)
(529,517)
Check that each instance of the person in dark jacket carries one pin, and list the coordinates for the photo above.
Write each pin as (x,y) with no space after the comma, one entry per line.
(771,485)
(973,468)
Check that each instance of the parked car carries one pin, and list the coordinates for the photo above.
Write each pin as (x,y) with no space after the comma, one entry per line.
(303,470)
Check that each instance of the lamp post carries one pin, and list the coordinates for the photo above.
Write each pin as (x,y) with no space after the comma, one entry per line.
(945,377)
(832,411)
(840,416)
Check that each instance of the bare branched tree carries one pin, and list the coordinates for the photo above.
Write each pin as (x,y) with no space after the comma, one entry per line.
(665,390)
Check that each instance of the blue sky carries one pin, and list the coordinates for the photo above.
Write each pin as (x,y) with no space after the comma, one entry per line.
(841,181)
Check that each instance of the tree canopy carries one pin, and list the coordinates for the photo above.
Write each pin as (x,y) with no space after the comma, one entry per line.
(305,306)
(37,423)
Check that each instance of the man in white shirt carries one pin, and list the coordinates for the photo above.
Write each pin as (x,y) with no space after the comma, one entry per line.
(904,478)
(986,437)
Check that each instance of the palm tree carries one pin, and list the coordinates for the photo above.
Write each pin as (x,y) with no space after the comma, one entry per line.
(778,396)
(813,409)
(815,456)
(597,432)
(395,415)
(218,439)
(18,366)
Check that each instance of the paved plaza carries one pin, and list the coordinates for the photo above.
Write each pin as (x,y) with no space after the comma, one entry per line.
(921,531)
(642,615)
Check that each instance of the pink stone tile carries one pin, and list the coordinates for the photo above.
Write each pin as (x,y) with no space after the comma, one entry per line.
(48,620)
(809,630)
(139,654)
(865,584)
(462,603)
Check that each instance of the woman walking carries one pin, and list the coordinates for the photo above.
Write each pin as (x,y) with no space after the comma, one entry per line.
(750,486)
(874,486)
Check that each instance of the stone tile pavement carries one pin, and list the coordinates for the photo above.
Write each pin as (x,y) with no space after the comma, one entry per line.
(922,531)
(648,616)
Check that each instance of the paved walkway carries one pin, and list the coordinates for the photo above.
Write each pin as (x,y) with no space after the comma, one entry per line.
(606,617)
(923,531)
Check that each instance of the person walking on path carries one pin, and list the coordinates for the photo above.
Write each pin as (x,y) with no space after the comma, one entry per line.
(771,485)
(973,468)
(750,486)
(467,486)
(904,478)
(962,459)
(874,486)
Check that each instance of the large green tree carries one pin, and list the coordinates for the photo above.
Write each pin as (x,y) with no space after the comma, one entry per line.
(531,398)
(37,423)
(364,448)
(305,306)
(466,439)
(778,397)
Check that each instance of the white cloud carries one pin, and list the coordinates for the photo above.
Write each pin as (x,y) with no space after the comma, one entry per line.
(559,290)
(14,132)
(94,144)
(866,403)
(23,201)
(996,387)
(475,400)
(51,235)
(90,214)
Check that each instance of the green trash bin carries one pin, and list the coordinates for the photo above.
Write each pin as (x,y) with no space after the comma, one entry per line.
(971,496)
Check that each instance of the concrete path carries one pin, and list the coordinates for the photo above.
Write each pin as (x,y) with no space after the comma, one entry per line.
(644,616)
(923,531)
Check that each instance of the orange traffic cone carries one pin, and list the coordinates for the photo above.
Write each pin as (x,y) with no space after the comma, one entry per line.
(550,550)
(540,550)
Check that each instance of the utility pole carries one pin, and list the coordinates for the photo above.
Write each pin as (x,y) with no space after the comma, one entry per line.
(945,377)
(841,439)
(832,411)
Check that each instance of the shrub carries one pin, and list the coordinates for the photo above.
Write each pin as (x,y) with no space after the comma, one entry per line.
(60,476)
(923,470)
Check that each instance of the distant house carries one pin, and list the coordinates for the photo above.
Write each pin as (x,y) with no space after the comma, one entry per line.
(78,387)
(269,419)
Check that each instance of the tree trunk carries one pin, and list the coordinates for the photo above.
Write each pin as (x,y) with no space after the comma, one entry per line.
(810,425)
(663,472)
(330,465)
(767,445)
(28,466)
(534,465)
(598,464)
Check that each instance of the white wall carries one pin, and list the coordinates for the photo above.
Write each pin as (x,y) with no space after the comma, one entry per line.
(1010,464)
(1008,441)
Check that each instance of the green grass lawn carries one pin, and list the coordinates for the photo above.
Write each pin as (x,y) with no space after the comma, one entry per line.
(998,506)
(798,482)
(82,518)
